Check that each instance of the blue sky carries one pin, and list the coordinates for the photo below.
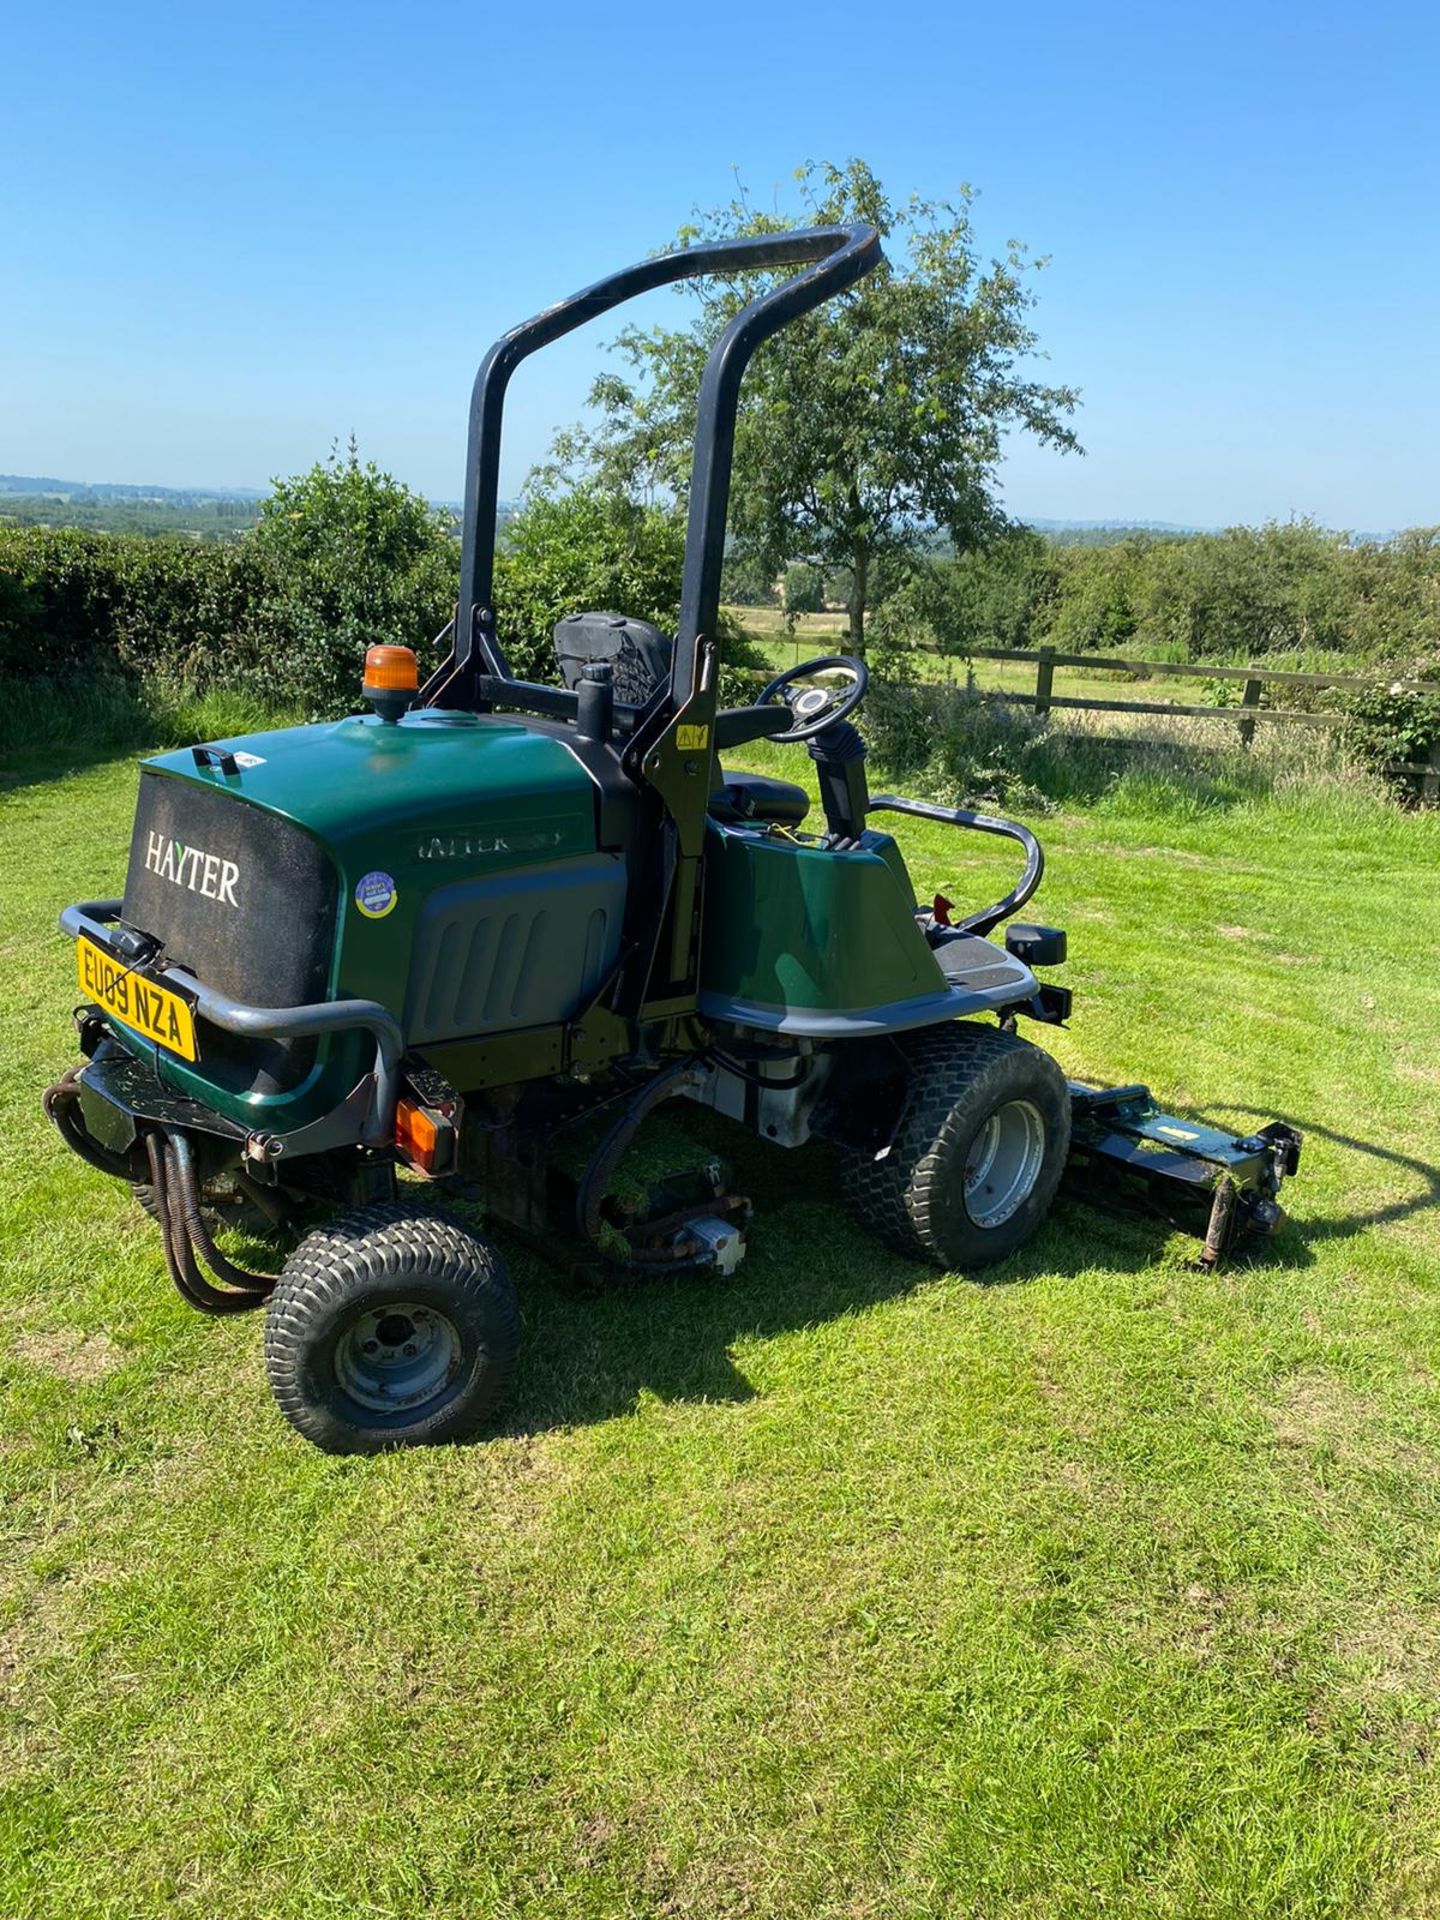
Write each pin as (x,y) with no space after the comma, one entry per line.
(234,234)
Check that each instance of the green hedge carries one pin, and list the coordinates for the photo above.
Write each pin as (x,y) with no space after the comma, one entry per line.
(1289,588)
(95,602)
(343,557)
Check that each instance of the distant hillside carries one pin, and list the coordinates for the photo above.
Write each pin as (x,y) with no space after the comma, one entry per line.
(199,513)
(85,490)
(1107,533)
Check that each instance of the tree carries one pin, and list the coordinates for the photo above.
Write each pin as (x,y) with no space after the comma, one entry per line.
(745,584)
(586,549)
(591,548)
(803,588)
(862,426)
(353,558)
(987,597)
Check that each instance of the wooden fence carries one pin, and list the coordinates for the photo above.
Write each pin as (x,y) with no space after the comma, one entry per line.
(1252,679)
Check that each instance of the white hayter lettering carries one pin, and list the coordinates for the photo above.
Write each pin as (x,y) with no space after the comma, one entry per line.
(192,868)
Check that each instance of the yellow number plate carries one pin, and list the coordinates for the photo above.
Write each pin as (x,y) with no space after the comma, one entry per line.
(149,1008)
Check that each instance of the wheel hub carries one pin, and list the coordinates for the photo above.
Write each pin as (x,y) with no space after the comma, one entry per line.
(1004,1163)
(394,1358)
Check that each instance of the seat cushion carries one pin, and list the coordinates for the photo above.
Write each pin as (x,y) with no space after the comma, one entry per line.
(755,796)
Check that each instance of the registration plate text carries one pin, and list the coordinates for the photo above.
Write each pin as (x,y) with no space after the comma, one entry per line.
(157,1012)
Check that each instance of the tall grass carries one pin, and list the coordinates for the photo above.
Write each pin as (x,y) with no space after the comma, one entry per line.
(955,746)
(91,715)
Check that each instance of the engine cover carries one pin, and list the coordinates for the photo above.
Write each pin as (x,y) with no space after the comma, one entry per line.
(243,900)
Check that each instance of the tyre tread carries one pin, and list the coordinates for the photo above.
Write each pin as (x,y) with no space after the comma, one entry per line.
(899,1198)
(389,1242)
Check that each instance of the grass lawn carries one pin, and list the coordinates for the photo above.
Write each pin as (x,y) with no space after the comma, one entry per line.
(839,1589)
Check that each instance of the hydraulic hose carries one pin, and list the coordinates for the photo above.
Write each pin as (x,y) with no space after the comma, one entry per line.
(681,1076)
(59,1103)
(174,1204)
(223,1269)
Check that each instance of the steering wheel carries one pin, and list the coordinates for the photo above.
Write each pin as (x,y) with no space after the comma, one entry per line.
(817,707)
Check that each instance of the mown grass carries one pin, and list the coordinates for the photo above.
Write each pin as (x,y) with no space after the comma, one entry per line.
(840,1589)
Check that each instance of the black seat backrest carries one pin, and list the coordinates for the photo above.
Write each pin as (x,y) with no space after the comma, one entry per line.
(639,654)
(755,796)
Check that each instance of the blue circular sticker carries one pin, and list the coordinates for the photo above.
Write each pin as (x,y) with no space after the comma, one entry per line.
(375,895)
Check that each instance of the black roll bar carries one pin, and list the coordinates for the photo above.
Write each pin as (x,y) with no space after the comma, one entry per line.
(839,257)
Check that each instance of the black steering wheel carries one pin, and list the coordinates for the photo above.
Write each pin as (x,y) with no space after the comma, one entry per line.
(816,707)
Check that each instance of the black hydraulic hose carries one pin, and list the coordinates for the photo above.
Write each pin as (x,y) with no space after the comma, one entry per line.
(748,1073)
(177,1206)
(59,1103)
(261,1284)
(179,1261)
(168,1183)
(185,1206)
(179,1256)
(681,1076)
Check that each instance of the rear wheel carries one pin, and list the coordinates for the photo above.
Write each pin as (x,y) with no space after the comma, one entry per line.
(391,1328)
(978,1153)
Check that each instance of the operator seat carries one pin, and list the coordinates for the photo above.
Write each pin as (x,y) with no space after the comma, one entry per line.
(639,654)
(748,797)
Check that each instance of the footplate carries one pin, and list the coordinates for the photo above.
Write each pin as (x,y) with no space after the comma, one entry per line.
(1217,1184)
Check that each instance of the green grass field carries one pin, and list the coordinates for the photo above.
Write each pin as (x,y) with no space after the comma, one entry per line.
(840,1589)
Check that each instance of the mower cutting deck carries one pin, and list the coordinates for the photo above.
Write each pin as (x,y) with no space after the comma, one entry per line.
(483,932)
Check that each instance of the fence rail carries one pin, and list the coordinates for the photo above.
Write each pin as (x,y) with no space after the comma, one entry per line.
(1254,680)
(1158,669)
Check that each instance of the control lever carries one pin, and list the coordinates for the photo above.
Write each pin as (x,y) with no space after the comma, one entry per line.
(839,755)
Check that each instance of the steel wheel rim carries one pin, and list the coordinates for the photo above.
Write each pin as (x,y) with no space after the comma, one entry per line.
(397,1357)
(1004,1163)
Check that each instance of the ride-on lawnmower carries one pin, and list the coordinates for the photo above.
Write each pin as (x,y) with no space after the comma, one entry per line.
(491,919)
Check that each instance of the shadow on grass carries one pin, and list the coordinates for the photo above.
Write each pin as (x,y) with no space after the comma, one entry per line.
(50,730)
(588,1357)
(51,733)
(963,746)
(1344,1226)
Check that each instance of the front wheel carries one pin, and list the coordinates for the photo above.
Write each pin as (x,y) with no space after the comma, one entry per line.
(978,1153)
(391,1328)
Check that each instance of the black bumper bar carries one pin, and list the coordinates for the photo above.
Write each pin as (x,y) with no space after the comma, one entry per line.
(96,920)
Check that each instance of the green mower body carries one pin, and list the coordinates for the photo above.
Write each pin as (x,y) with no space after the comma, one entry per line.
(493,918)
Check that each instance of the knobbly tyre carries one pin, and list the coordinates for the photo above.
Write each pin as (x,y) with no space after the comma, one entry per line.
(456,932)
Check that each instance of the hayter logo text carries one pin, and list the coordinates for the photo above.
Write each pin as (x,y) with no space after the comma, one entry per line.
(193,868)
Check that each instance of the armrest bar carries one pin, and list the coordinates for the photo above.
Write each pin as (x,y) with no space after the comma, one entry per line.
(989,917)
(737,726)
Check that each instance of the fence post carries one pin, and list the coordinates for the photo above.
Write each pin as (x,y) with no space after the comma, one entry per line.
(1430,785)
(1044,679)
(1250,698)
